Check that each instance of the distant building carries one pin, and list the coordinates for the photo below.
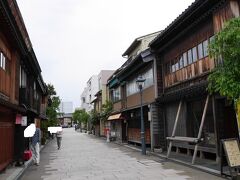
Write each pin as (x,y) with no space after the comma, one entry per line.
(65,120)
(103,77)
(66,107)
(84,104)
(65,117)
(101,97)
(89,92)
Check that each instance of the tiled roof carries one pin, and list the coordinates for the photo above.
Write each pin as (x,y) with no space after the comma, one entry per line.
(185,15)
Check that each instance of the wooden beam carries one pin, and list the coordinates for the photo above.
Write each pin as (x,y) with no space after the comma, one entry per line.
(215,128)
(200,128)
(174,128)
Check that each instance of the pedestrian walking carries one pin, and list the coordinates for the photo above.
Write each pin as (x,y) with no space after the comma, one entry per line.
(36,142)
(59,138)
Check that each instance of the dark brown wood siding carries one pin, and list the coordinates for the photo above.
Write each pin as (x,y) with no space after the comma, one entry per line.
(204,31)
(148,97)
(134,135)
(6,139)
(229,10)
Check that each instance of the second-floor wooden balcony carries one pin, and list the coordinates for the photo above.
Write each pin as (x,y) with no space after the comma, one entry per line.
(187,73)
(26,97)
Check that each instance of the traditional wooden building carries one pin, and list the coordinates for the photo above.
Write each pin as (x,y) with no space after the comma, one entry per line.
(192,120)
(124,93)
(22,90)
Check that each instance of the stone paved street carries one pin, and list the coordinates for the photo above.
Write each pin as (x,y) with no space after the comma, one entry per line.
(84,156)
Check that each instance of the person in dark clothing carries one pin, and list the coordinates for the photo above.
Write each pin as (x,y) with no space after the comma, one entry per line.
(59,138)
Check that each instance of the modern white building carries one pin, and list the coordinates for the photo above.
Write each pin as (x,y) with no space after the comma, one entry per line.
(89,92)
(84,104)
(95,84)
(66,107)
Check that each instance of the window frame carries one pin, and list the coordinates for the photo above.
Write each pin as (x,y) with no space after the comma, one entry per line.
(2,61)
(194,54)
(189,54)
(205,48)
(181,65)
(200,51)
(186,56)
(116,94)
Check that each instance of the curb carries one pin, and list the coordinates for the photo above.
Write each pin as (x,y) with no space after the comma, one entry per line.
(18,173)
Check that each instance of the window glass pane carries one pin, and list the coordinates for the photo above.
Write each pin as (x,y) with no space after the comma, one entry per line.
(181,62)
(148,75)
(4,63)
(194,53)
(0,59)
(200,51)
(190,56)
(177,66)
(185,63)
(212,38)
(23,78)
(205,48)
(173,68)
(116,94)
(20,77)
(131,87)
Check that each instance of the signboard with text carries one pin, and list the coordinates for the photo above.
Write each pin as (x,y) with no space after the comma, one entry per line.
(231,148)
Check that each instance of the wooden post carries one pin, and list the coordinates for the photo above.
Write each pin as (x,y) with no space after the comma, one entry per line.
(200,129)
(215,128)
(174,128)
(176,120)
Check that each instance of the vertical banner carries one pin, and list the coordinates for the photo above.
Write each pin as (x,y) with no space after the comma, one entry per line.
(18,119)
(149,116)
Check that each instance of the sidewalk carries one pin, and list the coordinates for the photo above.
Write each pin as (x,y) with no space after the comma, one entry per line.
(202,164)
(14,173)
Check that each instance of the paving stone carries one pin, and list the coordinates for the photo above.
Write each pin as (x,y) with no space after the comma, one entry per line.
(87,157)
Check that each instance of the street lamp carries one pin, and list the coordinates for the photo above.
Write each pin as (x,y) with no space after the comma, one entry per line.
(140,82)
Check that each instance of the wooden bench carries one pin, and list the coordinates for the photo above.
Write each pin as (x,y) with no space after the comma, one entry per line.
(189,147)
(193,140)
(184,139)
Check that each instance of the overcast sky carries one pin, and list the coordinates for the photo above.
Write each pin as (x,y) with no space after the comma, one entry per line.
(75,39)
